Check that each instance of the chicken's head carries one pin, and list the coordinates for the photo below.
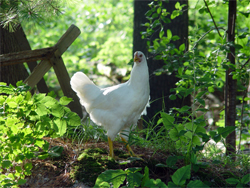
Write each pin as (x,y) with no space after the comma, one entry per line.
(139,57)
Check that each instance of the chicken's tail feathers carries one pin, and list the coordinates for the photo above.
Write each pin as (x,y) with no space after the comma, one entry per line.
(85,89)
(78,81)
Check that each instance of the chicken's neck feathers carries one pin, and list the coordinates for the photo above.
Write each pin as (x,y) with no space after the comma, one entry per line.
(139,75)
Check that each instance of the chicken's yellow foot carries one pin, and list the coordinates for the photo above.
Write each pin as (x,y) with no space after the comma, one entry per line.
(131,153)
(111,149)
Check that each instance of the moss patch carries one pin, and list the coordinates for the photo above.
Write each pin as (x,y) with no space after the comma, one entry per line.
(91,163)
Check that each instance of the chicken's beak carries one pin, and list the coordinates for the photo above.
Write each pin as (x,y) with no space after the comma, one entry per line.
(136,58)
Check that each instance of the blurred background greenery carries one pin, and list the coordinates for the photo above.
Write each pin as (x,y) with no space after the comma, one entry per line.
(105,39)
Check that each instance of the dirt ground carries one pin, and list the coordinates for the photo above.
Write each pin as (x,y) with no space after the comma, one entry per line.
(70,171)
(56,172)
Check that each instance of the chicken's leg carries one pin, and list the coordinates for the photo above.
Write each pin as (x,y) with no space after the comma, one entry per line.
(111,149)
(131,153)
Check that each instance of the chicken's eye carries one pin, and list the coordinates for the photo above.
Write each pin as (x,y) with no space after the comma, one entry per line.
(140,55)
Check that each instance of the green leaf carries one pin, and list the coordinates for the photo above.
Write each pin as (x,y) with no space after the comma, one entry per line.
(172,185)
(156,44)
(184,109)
(211,89)
(12,104)
(174,14)
(168,121)
(212,133)
(61,126)
(39,142)
(28,167)
(21,181)
(182,47)
(169,34)
(180,71)
(161,165)
(116,177)
(38,97)
(134,177)
(72,119)
(65,100)
(190,126)
(155,15)
(239,185)
(196,183)
(6,89)
(156,23)
(189,134)
(145,177)
(217,138)
(245,179)
(55,151)
(159,10)
(201,101)
(178,6)
(57,110)
(196,140)
(104,185)
(172,97)
(18,169)
(181,175)
(171,161)
(225,131)
(232,181)
(41,109)
(161,34)
(200,129)
(49,102)
(200,94)
(148,13)
(174,135)
(6,164)
(155,183)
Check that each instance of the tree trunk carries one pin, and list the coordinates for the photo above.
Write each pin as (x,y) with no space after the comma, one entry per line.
(231,84)
(160,85)
(8,44)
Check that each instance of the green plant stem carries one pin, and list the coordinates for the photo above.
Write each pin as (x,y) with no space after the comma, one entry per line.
(192,116)
(245,63)
(205,35)
(212,18)
(241,117)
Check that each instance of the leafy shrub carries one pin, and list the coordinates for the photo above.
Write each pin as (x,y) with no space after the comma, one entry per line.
(132,176)
(24,121)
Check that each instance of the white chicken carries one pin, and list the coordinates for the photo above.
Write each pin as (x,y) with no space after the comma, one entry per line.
(118,107)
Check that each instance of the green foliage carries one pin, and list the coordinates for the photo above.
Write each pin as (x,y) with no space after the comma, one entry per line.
(187,136)
(171,162)
(181,175)
(106,36)
(24,121)
(15,12)
(132,176)
(158,17)
(201,72)
(239,182)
